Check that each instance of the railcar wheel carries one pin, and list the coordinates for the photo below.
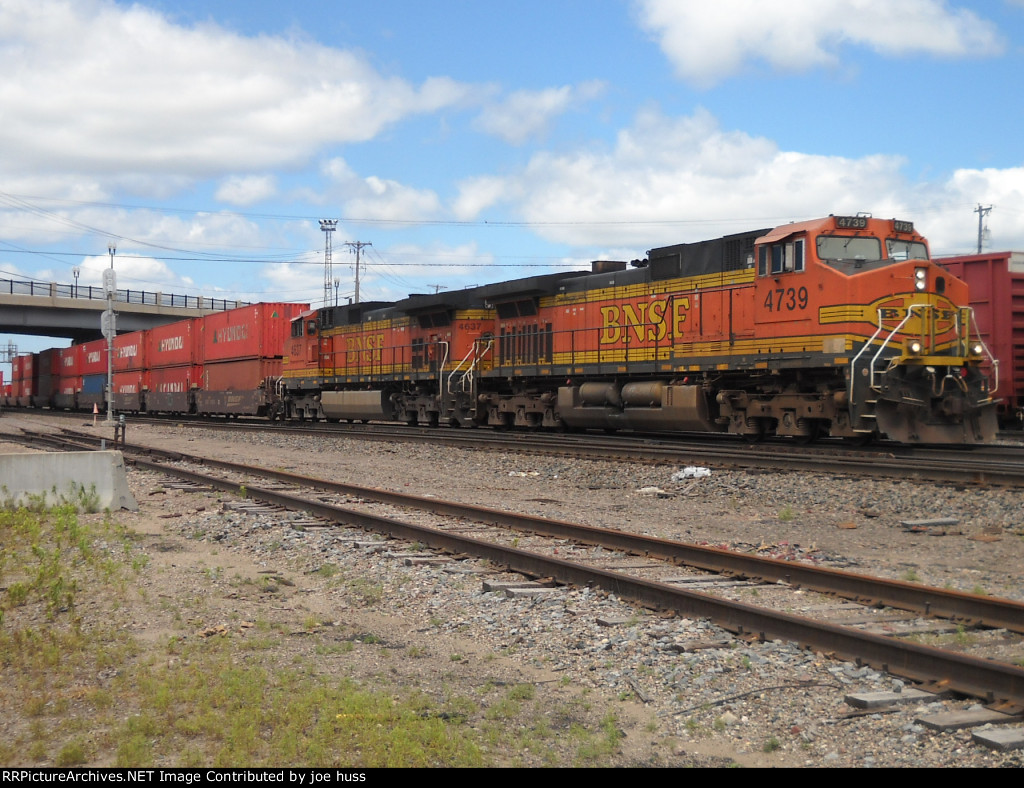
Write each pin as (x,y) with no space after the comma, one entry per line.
(813,433)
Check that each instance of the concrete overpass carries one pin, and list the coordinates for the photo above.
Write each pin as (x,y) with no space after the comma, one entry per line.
(59,310)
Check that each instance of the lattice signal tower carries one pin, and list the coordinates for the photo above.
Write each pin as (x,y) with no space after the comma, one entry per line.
(328,226)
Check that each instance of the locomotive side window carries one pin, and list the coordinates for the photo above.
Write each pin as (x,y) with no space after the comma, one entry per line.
(782,258)
(311,328)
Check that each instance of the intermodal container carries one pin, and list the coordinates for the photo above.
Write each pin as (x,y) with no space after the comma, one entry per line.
(130,351)
(239,375)
(94,358)
(174,344)
(995,282)
(170,388)
(46,377)
(128,390)
(256,331)
(23,368)
(66,395)
(71,361)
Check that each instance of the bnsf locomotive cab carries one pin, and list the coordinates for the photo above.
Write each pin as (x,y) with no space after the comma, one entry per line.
(875,306)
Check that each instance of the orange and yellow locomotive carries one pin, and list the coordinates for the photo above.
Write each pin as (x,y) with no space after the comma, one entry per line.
(839,326)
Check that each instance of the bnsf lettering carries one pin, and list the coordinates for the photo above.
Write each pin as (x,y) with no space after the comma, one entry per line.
(231,334)
(646,321)
(369,342)
(898,313)
(365,349)
(174,343)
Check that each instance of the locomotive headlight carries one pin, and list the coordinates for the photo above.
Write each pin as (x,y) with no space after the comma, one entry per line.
(915,347)
(977,349)
(920,278)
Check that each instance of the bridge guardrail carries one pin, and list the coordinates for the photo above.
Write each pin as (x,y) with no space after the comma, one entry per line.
(90,293)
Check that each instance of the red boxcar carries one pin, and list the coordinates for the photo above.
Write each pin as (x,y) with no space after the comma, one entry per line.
(256,331)
(174,345)
(995,282)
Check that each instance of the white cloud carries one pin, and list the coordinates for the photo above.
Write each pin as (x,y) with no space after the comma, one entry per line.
(527,113)
(949,220)
(707,42)
(247,190)
(669,180)
(133,273)
(372,197)
(677,171)
(102,90)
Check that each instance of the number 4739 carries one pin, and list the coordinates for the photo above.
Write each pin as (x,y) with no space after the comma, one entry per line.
(786,299)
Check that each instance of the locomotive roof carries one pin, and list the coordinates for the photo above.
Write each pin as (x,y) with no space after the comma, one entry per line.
(728,253)
(786,230)
(544,284)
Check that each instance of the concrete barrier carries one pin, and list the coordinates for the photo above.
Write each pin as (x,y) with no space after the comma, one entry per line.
(93,480)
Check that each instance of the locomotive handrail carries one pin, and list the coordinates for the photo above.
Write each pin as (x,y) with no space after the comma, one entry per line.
(988,353)
(894,332)
(853,364)
(466,374)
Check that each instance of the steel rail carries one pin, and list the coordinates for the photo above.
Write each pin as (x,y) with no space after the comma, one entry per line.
(896,462)
(993,681)
(961,607)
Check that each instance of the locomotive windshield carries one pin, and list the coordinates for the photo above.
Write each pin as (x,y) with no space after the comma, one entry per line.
(845,248)
(906,250)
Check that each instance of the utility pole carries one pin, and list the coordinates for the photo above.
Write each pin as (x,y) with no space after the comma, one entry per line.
(982,213)
(108,324)
(328,226)
(357,245)
(438,288)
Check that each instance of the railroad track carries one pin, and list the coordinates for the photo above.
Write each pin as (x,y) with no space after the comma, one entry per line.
(671,576)
(998,465)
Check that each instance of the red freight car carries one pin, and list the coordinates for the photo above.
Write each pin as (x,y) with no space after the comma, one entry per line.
(129,387)
(995,282)
(24,388)
(255,331)
(130,351)
(241,354)
(174,345)
(171,388)
(46,378)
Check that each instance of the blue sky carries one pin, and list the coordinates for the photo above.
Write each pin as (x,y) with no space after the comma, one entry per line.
(471,142)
